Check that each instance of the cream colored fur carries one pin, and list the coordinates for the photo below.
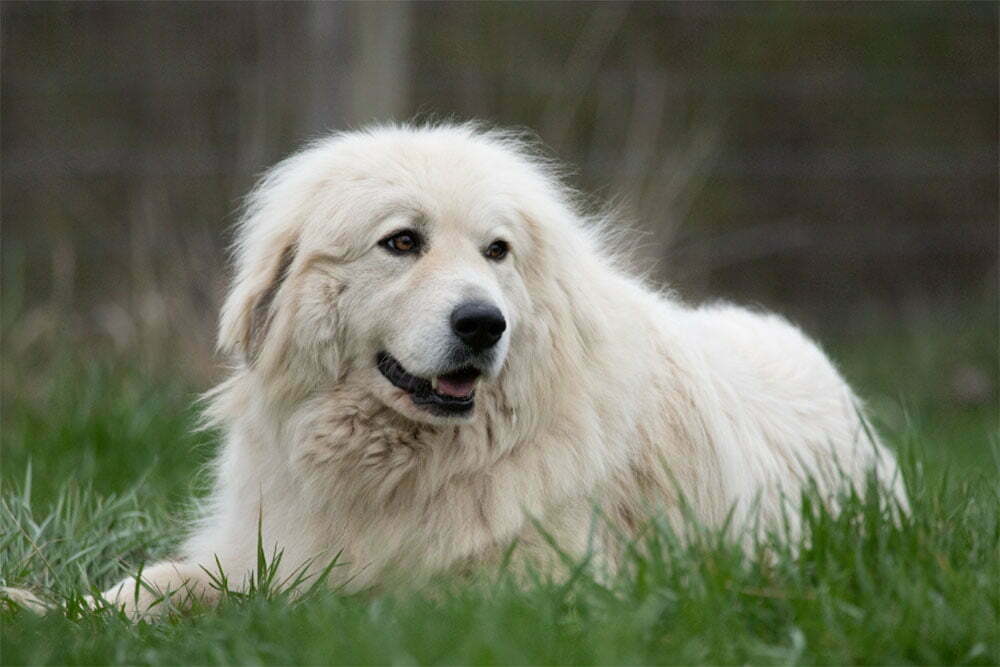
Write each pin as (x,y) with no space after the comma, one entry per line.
(605,394)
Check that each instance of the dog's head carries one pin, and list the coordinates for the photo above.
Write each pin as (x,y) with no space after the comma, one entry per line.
(398,259)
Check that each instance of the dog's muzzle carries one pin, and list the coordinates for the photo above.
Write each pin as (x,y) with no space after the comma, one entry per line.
(449,394)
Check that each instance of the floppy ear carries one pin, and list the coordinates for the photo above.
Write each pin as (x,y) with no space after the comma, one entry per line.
(250,309)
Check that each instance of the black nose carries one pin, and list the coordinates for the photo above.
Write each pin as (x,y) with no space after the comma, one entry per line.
(479,325)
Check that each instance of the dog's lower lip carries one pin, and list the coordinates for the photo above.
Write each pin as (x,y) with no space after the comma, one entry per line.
(422,392)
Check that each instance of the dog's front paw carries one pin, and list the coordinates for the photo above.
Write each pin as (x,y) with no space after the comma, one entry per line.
(25,599)
(160,590)
(138,600)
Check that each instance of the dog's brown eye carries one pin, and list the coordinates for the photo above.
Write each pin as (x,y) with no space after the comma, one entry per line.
(402,243)
(497,250)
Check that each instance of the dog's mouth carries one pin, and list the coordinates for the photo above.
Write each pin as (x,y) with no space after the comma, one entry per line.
(453,393)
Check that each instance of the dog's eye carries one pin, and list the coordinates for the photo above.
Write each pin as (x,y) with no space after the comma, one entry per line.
(497,250)
(402,243)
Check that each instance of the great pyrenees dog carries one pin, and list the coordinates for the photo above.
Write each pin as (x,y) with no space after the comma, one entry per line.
(436,356)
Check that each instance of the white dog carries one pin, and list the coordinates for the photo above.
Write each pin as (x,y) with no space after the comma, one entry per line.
(436,356)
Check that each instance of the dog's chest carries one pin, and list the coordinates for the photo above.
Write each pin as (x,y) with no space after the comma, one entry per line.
(351,449)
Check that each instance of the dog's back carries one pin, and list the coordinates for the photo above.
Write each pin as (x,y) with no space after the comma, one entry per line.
(796,420)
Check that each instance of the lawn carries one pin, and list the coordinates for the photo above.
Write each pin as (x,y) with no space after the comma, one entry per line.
(100,460)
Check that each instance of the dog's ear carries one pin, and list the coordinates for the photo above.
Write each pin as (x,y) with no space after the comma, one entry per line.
(252,305)
(262,311)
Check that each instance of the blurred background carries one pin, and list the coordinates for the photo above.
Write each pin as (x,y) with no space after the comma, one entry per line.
(835,162)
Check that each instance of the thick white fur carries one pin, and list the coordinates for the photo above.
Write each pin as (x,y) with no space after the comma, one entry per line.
(605,394)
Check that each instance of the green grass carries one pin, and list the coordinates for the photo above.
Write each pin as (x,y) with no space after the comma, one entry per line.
(98,461)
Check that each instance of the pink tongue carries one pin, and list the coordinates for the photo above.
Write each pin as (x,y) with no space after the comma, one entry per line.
(455,388)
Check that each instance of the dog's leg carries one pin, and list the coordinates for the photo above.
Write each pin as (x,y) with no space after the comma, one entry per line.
(164,587)
(157,590)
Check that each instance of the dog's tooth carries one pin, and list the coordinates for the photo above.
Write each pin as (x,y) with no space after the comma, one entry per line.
(434,383)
